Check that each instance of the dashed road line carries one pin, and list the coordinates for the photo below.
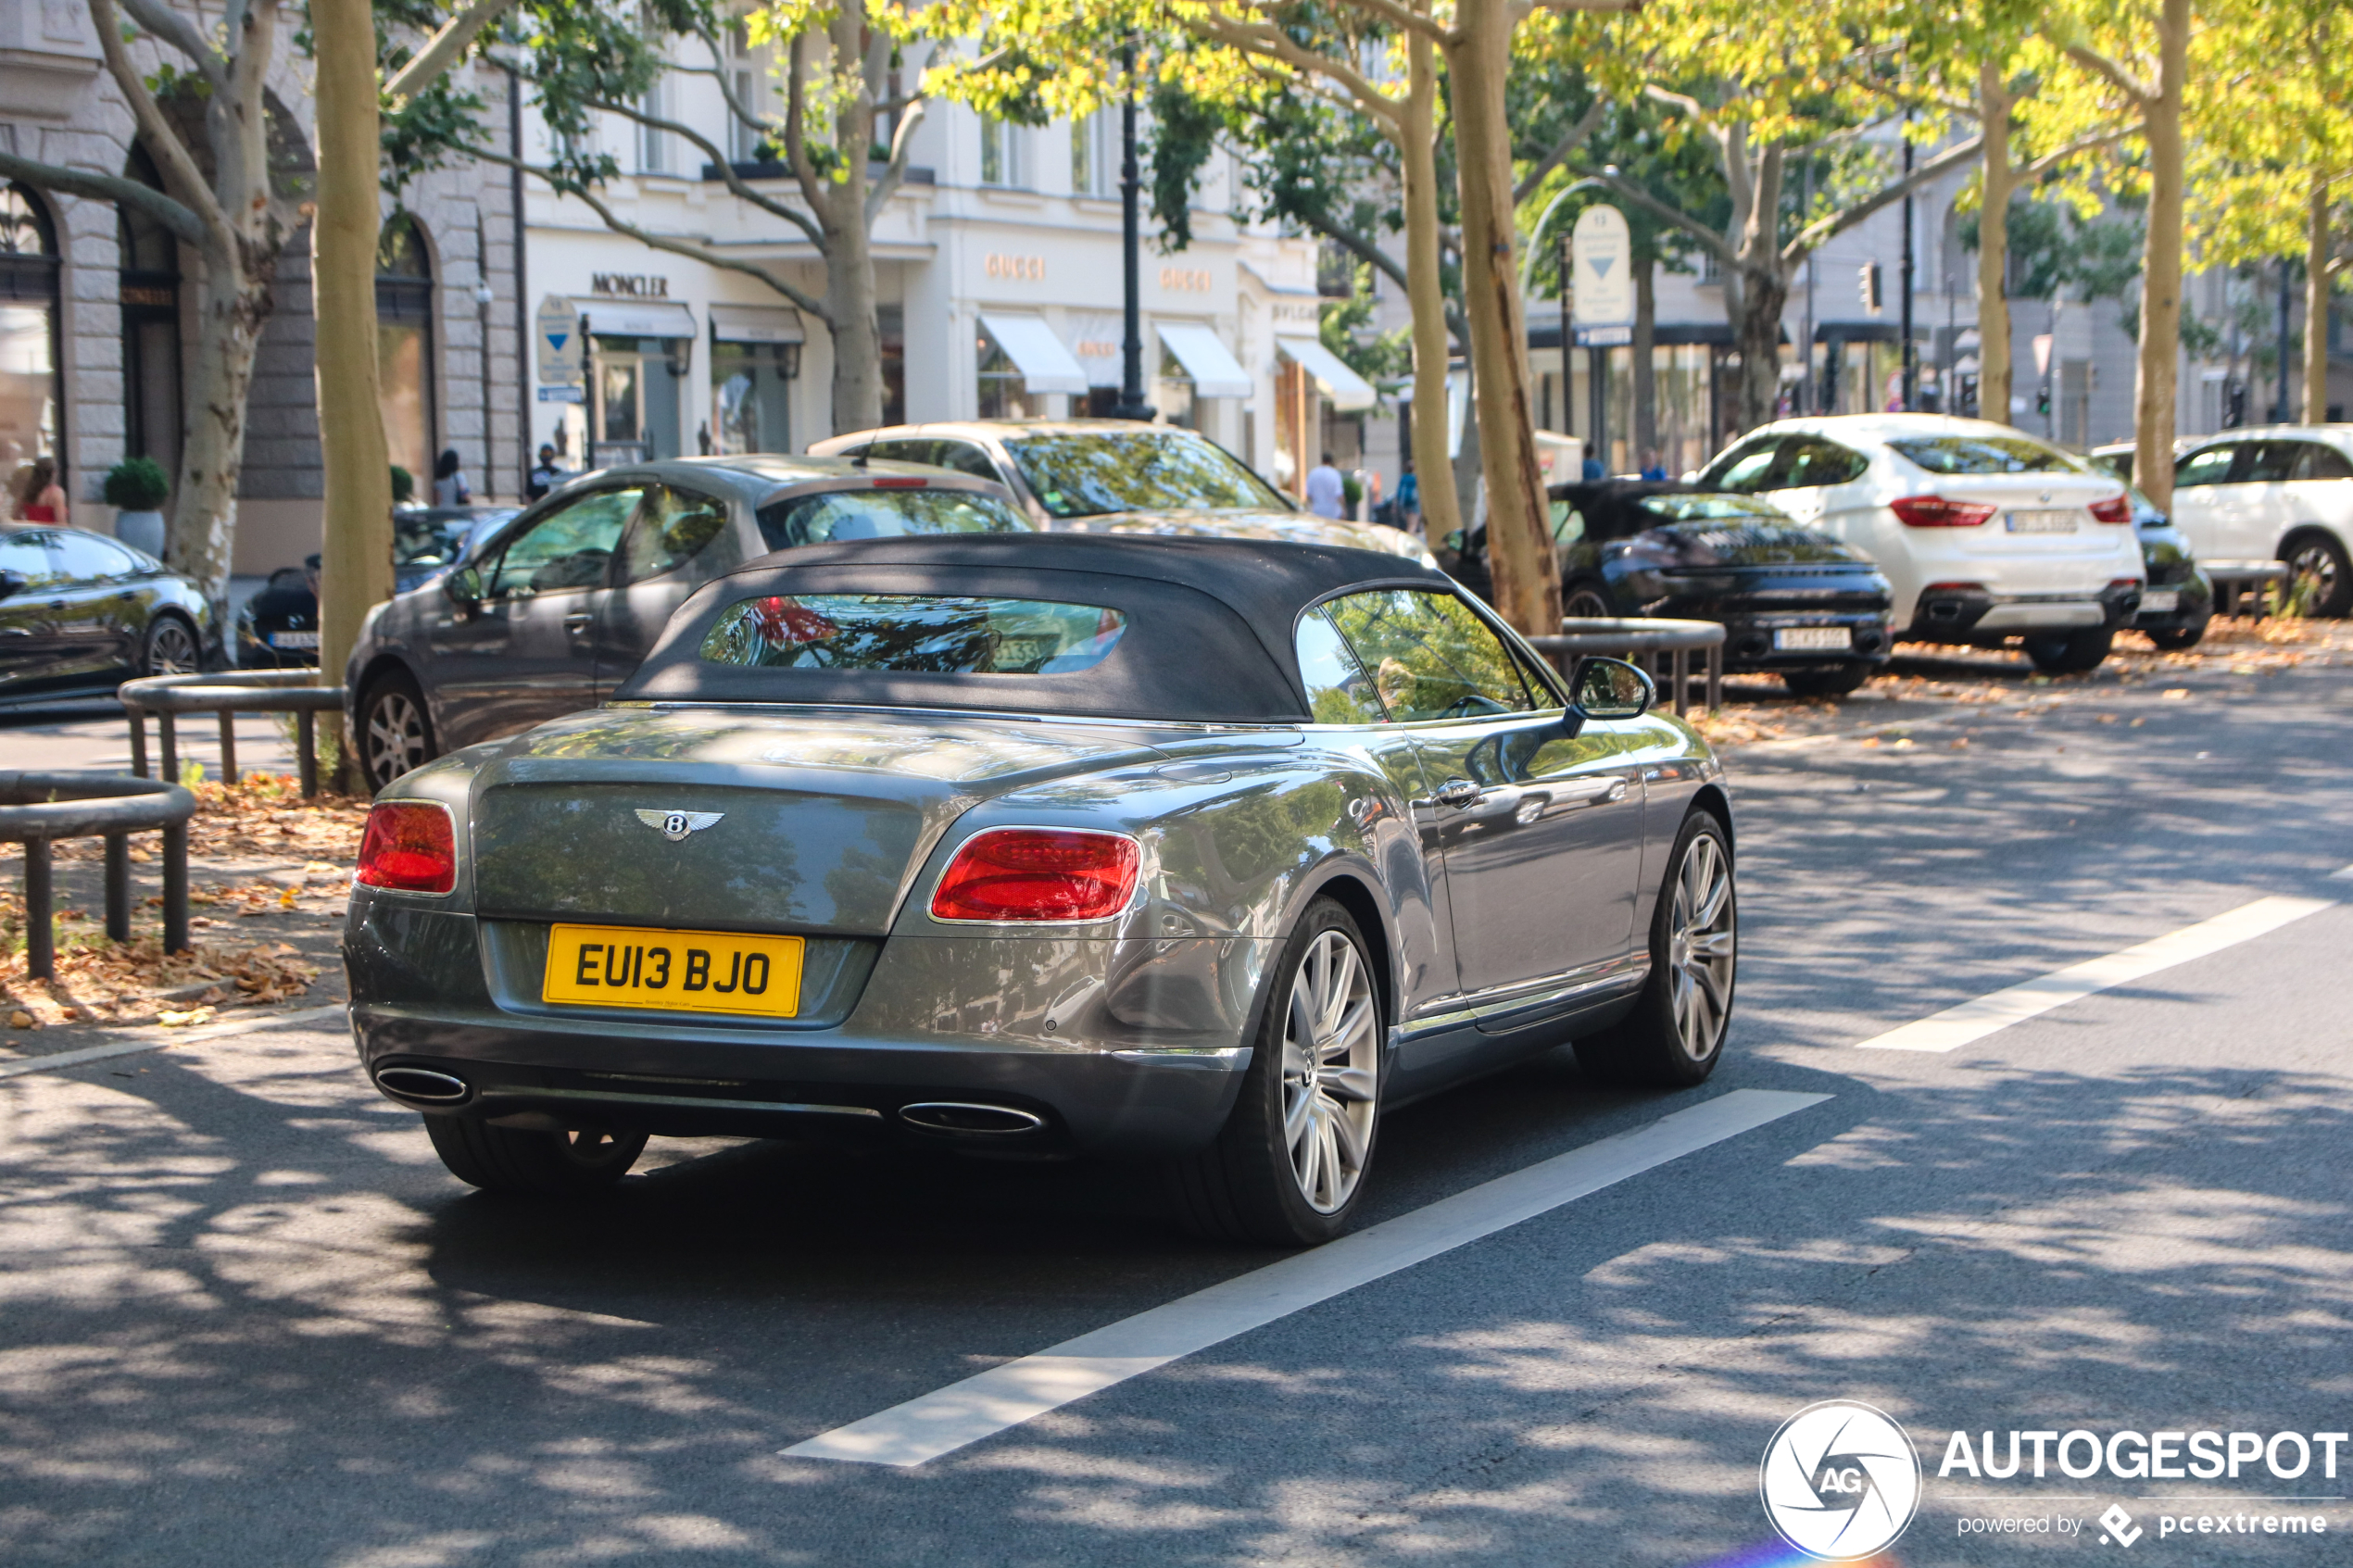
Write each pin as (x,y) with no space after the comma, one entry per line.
(56,1061)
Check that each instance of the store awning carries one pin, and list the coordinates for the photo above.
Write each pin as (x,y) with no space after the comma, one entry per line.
(1030,343)
(754,324)
(1349,391)
(1215,373)
(615,318)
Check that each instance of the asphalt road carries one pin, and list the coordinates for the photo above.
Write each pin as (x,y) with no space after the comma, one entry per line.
(248,1320)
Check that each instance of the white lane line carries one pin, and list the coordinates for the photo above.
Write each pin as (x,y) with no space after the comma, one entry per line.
(2345,875)
(59,1060)
(1957,1026)
(1006,1396)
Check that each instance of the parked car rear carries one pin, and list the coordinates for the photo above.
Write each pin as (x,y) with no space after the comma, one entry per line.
(80,613)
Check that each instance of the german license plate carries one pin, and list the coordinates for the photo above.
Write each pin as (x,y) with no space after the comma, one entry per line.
(616,966)
(1813,639)
(294,639)
(2057,520)
(2162,601)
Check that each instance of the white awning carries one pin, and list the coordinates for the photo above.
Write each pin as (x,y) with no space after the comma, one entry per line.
(1215,373)
(1030,343)
(754,324)
(1349,393)
(657,318)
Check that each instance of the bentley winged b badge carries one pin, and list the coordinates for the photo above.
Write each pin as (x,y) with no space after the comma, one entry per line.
(676,825)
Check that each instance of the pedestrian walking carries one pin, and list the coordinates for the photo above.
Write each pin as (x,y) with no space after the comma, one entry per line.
(1326,494)
(449,487)
(544,478)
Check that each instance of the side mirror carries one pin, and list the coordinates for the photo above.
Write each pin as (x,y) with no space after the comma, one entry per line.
(1610,688)
(13,582)
(462,587)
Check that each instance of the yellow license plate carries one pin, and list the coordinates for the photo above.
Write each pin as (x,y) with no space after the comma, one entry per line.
(618,966)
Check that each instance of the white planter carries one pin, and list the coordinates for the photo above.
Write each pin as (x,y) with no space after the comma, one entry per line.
(141,531)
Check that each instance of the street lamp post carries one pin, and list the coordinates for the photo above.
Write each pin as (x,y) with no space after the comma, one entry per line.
(1909,361)
(1131,345)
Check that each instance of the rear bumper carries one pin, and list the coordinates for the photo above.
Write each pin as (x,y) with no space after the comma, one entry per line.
(1974,615)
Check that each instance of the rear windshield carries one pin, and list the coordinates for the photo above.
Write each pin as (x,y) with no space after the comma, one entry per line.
(883,514)
(925,634)
(1088,476)
(1688,509)
(1985,454)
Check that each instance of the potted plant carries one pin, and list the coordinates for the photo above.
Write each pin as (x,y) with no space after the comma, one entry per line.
(136,487)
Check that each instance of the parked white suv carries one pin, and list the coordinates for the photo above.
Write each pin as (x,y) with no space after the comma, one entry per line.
(1984,532)
(2280,493)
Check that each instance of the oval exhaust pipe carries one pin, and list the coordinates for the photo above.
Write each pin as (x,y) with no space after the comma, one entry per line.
(956,1116)
(423,1083)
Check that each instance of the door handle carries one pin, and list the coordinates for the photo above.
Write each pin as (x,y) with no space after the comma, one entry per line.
(578,621)
(1460,794)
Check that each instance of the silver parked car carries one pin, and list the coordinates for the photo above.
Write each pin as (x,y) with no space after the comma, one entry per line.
(1195,851)
(555,610)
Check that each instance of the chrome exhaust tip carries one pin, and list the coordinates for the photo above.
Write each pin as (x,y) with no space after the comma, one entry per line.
(423,1084)
(956,1116)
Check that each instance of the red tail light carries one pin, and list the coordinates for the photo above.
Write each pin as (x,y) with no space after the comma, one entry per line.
(892,482)
(1935,511)
(2116,509)
(1038,874)
(409,846)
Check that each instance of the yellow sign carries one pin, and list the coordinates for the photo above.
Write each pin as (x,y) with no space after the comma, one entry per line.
(619,966)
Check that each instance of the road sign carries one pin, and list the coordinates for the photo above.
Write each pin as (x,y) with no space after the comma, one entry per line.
(1601,252)
(560,359)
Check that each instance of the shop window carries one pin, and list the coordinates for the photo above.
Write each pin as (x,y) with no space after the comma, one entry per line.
(32,398)
(891,320)
(150,293)
(1003,394)
(634,383)
(1173,392)
(1000,153)
(751,396)
(405,346)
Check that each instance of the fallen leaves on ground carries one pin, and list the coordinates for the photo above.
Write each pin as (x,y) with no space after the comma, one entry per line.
(262,816)
(99,981)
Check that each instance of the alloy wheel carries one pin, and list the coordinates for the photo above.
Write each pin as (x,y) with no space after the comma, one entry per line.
(1584,604)
(171,648)
(1331,1071)
(396,737)
(2315,565)
(1701,950)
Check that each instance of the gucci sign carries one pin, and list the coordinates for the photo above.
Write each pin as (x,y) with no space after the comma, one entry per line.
(1025,268)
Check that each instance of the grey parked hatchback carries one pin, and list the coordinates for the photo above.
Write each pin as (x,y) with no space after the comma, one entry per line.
(551,612)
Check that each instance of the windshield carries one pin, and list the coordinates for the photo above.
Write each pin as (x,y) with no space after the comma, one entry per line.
(1687,508)
(1090,474)
(423,539)
(883,514)
(928,634)
(1985,454)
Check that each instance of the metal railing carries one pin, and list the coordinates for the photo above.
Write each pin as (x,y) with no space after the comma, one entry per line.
(1671,642)
(38,807)
(2235,579)
(228,694)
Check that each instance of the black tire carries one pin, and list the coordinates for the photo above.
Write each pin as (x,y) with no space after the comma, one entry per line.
(576,1165)
(1837,680)
(2318,571)
(171,646)
(1246,1187)
(1651,1046)
(396,730)
(2070,653)
(2173,639)
(1587,599)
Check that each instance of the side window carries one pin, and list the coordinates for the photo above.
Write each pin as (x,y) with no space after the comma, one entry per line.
(965,457)
(671,528)
(1429,655)
(1339,692)
(27,555)
(1568,523)
(568,549)
(1808,461)
(903,450)
(2271,462)
(85,557)
(2208,466)
(2315,461)
(1746,470)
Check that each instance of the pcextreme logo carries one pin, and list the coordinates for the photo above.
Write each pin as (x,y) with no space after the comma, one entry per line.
(1840,1480)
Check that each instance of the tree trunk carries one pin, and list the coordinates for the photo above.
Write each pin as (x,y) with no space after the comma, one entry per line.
(1425,291)
(1519,548)
(1993,247)
(2153,392)
(2317,276)
(1764,295)
(850,250)
(1645,369)
(232,308)
(357,572)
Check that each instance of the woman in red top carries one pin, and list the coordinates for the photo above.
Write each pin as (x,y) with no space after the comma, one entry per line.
(40,498)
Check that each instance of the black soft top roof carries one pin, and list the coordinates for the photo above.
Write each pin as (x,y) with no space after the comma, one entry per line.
(1209,623)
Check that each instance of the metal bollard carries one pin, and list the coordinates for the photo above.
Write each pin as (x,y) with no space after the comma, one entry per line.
(306,752)
(175,887)
(229,747)
(40,940)
(118,888)
(168,742)
(138,744)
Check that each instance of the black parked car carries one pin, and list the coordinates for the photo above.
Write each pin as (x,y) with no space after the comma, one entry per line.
(279,626)
(81,613)
(1793,602)
(2179,599)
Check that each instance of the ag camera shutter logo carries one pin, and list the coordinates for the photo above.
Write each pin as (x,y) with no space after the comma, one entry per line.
(1840,1480)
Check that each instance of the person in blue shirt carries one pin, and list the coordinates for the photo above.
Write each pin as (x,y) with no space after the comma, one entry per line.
(1409,498)
(1653,465)
(1592,468)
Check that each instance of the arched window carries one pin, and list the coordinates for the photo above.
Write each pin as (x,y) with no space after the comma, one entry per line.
(31,396)
(405,346)
(150,293)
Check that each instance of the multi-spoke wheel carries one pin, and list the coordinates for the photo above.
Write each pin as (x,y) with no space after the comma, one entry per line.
(572,1164)
(2318,575)
(1675,1033)
(171,647)
(1290,1165)
(395,733)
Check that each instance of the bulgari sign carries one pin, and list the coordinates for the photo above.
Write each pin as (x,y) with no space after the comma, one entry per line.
(630,285)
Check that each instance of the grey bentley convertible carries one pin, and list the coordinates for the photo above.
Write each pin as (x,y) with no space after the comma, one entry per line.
(1196,851)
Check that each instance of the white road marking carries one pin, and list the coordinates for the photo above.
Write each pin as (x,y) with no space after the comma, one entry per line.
(59,1061)
(2345,875)
(1006,1396)
(1958,1026)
